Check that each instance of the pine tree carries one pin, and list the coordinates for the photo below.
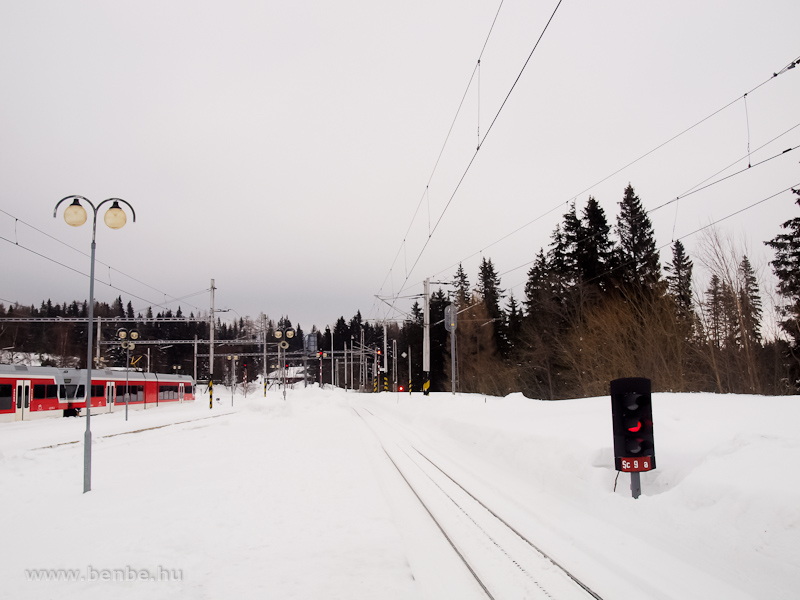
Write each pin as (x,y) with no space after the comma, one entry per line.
(341,333)
(117,309)
(786,266)
(537,288)
(572,236)
(639,264)
(679,280)
(513,322)
(355,325)
(714,310)
(489,289)
(558,262)
(595,249)
(461,283)
(749,302)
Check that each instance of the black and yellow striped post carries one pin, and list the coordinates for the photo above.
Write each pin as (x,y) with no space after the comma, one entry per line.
(426,387)
(265,388)
(385,383)
(210,394)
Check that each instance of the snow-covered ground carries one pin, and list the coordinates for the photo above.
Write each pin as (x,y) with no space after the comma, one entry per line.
(277,499)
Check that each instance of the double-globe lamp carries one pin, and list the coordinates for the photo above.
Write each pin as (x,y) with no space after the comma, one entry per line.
(75,215)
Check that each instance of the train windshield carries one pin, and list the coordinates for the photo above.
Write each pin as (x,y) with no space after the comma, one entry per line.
(71,392)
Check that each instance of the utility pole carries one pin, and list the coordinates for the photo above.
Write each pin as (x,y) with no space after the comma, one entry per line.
(385,351)
(394,365)
(450,324)
(426,339)
(97,361)
(409,369)
(264,338)
(362,365)
(211,337)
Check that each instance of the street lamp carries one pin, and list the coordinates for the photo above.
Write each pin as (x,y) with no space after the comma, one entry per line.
(115,218)
(233,358)
(127,342)
(284,334)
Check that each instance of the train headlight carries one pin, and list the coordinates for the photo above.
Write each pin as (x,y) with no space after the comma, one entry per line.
(75,215)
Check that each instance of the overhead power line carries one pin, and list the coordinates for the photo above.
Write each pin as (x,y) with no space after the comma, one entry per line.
(698,230)
(475,154)
(166,295)
(691,191)
(442,149)
(558,205)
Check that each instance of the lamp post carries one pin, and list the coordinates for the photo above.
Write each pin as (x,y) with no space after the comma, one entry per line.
(284,334)
(127,341)
(233,358)
(115,218)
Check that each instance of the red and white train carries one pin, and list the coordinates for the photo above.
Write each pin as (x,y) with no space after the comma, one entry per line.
(34,392)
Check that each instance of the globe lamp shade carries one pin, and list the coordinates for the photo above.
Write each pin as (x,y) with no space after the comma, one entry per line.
(115,217)
(75,215)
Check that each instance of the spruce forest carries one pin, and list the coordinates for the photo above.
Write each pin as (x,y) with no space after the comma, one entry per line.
(597,305)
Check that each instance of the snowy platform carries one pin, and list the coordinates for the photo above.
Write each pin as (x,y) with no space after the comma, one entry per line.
(296,499)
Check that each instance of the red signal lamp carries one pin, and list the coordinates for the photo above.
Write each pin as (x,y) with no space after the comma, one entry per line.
(633,425)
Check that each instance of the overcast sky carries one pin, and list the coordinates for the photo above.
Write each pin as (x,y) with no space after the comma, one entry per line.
(283,148)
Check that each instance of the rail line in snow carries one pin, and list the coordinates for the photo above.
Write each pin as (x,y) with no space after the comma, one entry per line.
(110,435)
(503,562)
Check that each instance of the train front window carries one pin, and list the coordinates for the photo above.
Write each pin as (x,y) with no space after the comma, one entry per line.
(70,392)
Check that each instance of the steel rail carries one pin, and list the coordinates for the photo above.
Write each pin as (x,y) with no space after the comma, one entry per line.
(511,528)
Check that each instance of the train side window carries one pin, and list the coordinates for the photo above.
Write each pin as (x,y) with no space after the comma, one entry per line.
(39,391)
(6,399)
(52,391)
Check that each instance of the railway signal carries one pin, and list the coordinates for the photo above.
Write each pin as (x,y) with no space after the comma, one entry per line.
(632,416)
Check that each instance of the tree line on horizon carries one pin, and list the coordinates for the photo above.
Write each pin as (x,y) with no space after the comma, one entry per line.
(597,305)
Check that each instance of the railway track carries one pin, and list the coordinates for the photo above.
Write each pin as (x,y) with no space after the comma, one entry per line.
(110,435)
(503,562)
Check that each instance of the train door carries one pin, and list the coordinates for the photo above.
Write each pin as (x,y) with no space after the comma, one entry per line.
(110,395)
(180,392)
(23,400)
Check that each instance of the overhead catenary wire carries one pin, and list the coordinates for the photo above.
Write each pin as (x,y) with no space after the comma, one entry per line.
(480,145)
(174,299)
(426,193)
(560,204)
(131,294)
(658,249)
